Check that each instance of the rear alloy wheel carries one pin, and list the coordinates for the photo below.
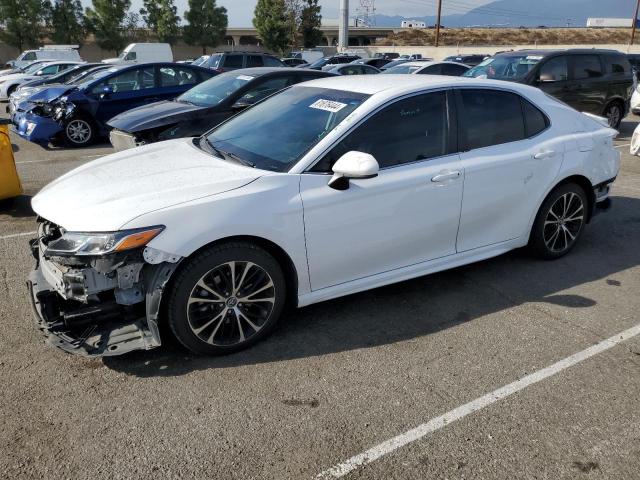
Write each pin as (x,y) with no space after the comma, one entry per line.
(78,132)
(559,222)
(226,298)
(614,115)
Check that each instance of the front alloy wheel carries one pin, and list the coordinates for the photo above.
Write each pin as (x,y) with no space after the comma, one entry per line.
(78,132)
(231,303)
(560,222)
(226,298)
(614,115)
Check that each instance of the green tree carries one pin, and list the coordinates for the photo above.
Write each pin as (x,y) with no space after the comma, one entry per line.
(310,21)
(206,24)
(273,24)
(106,20)
(67,22)
(161,18)
(23,22)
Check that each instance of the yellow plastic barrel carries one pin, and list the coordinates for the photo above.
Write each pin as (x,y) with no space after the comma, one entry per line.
(9,181)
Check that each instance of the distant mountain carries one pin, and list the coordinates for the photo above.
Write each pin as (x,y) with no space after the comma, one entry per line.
(515,13)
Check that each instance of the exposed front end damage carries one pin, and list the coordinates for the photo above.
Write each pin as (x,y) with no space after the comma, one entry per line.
(98,305)
(43,121)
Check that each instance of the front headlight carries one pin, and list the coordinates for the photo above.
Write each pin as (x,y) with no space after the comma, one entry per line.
(81,244)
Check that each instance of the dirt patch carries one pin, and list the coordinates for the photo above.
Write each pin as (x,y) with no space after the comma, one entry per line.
(510,36)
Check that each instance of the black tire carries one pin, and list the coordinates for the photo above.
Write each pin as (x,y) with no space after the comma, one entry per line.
(555,234)
(209,317)
(72,129)
(614,113)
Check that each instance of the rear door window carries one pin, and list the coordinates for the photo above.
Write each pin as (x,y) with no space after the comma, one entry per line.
(254,61)
(586,66)
(271,62)
(431,70)
(490,117)
(233,61)
(176,76)
(617,65)
(453,70)
(534,120)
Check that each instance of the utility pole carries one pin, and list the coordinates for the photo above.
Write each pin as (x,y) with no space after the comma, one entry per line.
(635,20)
(440,15)
(343,30)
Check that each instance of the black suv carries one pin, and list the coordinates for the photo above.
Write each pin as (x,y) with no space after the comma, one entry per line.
(589,80)
(226,61)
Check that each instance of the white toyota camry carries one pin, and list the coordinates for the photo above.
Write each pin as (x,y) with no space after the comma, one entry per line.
(331,187)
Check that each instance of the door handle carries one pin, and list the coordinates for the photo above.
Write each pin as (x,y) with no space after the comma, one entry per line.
(546,154)
(444,176)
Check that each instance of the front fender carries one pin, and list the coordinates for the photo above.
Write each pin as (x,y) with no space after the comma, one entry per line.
(269,208)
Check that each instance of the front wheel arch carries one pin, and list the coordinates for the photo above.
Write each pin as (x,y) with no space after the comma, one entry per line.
(282,257)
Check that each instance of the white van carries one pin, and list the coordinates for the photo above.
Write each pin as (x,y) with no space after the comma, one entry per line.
(144,53)
(48,52)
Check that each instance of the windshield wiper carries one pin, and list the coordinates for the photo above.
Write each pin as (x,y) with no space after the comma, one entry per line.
(229,155)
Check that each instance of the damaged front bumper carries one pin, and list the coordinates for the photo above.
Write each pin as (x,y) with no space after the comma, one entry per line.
(101,306)
(36,129)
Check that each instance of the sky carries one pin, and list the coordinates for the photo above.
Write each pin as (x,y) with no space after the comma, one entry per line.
(241,11)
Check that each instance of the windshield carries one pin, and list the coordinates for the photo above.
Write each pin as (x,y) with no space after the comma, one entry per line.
(215,90)
(200,60)
(319,63)
(276,133)
(33,67)
(511,67)
(402,69)
(80,76)
(395,63)
(93,76)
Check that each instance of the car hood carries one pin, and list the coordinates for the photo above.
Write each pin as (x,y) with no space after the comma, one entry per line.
(50,92)
(18,76)
(153,115)
(105,194)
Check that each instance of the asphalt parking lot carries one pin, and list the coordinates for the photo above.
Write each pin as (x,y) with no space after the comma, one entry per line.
(344,382)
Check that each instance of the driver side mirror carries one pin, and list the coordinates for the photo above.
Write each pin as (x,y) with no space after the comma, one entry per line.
(353,165)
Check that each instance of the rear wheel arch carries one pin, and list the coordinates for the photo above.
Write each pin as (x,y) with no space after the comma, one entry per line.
(586,185)
(580,180)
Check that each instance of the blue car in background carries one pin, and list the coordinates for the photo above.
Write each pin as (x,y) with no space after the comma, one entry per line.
(77,114)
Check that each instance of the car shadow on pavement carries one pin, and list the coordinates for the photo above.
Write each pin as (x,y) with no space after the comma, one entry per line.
(425,305)
(17,207)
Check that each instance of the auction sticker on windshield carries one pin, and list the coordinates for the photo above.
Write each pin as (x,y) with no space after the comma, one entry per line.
(328,105)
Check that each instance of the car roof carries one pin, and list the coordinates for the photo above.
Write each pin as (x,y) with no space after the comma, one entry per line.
(544,53)
(402,84)
(260,71)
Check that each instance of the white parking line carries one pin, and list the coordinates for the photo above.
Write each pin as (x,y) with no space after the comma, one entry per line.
(51,160)
(15,235)
(451,416)
(622,146)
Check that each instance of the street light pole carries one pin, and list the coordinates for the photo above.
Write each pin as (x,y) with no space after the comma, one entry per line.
(343,30)
(438,21)
(635,20)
